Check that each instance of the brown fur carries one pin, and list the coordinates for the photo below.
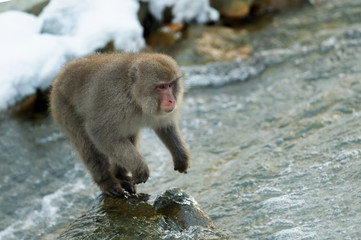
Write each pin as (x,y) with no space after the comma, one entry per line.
(103,101)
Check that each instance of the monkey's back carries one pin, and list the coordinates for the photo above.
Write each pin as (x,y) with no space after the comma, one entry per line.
(86,83)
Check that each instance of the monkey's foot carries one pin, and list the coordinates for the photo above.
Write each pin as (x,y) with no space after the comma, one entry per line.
(129,186)
(112,189)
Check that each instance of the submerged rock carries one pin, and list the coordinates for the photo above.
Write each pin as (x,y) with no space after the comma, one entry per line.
(173,213)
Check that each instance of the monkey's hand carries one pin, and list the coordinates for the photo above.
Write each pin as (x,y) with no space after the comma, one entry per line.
(141,174)
(181,164)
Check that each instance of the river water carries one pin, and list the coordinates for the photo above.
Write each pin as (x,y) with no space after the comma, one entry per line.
(275,141)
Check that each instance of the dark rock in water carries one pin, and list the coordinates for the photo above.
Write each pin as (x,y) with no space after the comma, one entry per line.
(180,210)
(174,213)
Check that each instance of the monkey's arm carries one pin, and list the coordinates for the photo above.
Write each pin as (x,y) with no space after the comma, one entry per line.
(122,151)
(173,140)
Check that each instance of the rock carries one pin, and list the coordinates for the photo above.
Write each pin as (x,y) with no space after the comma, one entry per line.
(38,8)
(204,44)
(33,107)
(30,6)
(147,20)
(260,7)
(234,12)
(166,36)
(232,9)
(181,211)
(217,47)
(134,217)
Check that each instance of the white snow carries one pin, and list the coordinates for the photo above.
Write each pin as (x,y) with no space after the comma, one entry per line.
(28,60)
(197,11)
(93,23)
(34,49)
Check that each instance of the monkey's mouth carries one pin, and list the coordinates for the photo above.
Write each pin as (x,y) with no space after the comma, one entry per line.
(168,110)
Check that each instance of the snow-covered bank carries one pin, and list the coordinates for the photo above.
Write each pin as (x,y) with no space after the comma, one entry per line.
(34,49)
(92,24)
(28,60)
(185,10)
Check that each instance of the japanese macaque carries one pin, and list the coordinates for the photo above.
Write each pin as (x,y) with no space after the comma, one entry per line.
(103,101)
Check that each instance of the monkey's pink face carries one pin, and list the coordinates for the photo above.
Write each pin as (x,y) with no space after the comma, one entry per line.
(166,92)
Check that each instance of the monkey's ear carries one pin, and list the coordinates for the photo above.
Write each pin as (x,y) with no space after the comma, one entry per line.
(133,73)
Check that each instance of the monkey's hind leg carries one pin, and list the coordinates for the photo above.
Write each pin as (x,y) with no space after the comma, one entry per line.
(121,151)
(96,162)
(121,173)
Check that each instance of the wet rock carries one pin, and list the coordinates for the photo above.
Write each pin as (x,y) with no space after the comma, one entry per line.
(181,211)
(235,12)
(260,7)
(204,44)
(232,9)
(134,217)
(166,36)
(218,47)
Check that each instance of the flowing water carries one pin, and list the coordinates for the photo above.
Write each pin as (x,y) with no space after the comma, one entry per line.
(277,156)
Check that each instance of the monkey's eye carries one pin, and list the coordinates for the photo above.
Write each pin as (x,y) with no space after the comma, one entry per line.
(161,86)
(172,84)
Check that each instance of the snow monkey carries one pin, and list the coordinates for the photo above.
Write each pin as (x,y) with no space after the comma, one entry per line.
(103,101)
